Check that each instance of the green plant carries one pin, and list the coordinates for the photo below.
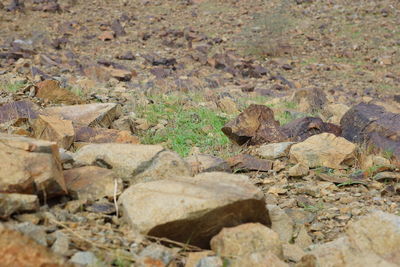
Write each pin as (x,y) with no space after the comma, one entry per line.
(186,126)
(13,87)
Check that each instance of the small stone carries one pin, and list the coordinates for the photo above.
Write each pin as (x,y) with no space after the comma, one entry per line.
(207,163)
(292,252)
(245,162)
(274,151)
(54,129)
(61,245)
(298,170)
(12,203)
(281,223)
(86,259)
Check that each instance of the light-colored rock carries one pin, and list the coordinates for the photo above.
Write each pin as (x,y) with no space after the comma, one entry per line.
(227,105)
(126,160)
(298,170)
(323,150)
(274,150)
(246,239)
(207,163)
(30,166)
(96,114)
(193,258)
(266,259)
(11,203)
(210,261)
(54,129)
(85,258)
(102,135)
(91,183)
(51,91)
(61,245)
(35,232)
(198,207)
(17,249)
(166,164)
(281,223)
(292,252)
(155,255)
(303,239)
(335,112)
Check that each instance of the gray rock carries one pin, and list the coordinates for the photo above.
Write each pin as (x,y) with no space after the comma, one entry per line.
(61,245)
(11,203)
(274,150)
(35,232)
(86,259)
(207,163)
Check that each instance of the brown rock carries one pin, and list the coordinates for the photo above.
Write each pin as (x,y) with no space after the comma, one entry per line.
(91,183)
(101,135)
(371,124)
(17,249)
(300,129)
(266,259)
(30,166)
(106,36)
(227,105)
(121,74)
(245,162)
(207,163)
(51,91)
(93,115)
(255,125)
(53,128)
(11,203)
(18,110)
(309,100)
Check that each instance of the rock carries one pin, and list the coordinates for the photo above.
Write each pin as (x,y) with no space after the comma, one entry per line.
(194,258)
(371,124)
(245,162)
(30,166)
(61,245)
(387,176)
(93,115)
(292,252)
(121,74)
(101,135)
(335,112)
(323,150)
(51,91)
(207,163)
(210,261)
(124,123)
(106,36)
(54,129)
(12,203)
(302,128)
(155,255)
(227,106)
(245,239)
(17,249)
(199,207)
(18,110)
(35,232)
(164,165)
(303,239)
(86,258)
(281,223)
(258,259)
(126,160)
(255,125)
(298,170)
(274,151)
(91,183)
(309,100)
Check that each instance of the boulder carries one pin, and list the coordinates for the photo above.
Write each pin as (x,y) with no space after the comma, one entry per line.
(17,249)
(371,124)
(302,128)
(93,115)
(126,160)
(207,163)
(323,149)
(255,125)
(51,91)
(274,150)
(54,129)
(198,207)
(11,203)
(246,239)
(30,166)
(91,183)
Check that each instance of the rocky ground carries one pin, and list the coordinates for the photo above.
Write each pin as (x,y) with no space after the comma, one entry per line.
(199,133)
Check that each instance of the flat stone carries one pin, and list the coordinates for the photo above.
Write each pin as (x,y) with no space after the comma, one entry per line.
(245,162)
(93,115)
(91,183)
(126,160)
(54,129)
(12,203)
(207,163)
(274,150)
(101,135)
(30,166)
(51,91)
(198,207)
(323,150)
(255,125)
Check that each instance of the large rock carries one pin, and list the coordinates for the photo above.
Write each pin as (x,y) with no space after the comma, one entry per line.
(198,207)
(91,183)
(324,149)
(371,241)
(255,125)
(371,124)
(17,249)
(51,91)
(300,129)
(18,110)
(54,129)
(11,203)
(246,239)
(126,160)
(30,166)
(96,114)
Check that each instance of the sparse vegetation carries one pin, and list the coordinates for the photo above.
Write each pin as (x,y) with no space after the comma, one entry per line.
(12,87)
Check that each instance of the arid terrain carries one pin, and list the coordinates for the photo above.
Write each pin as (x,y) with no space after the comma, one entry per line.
(200,133)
